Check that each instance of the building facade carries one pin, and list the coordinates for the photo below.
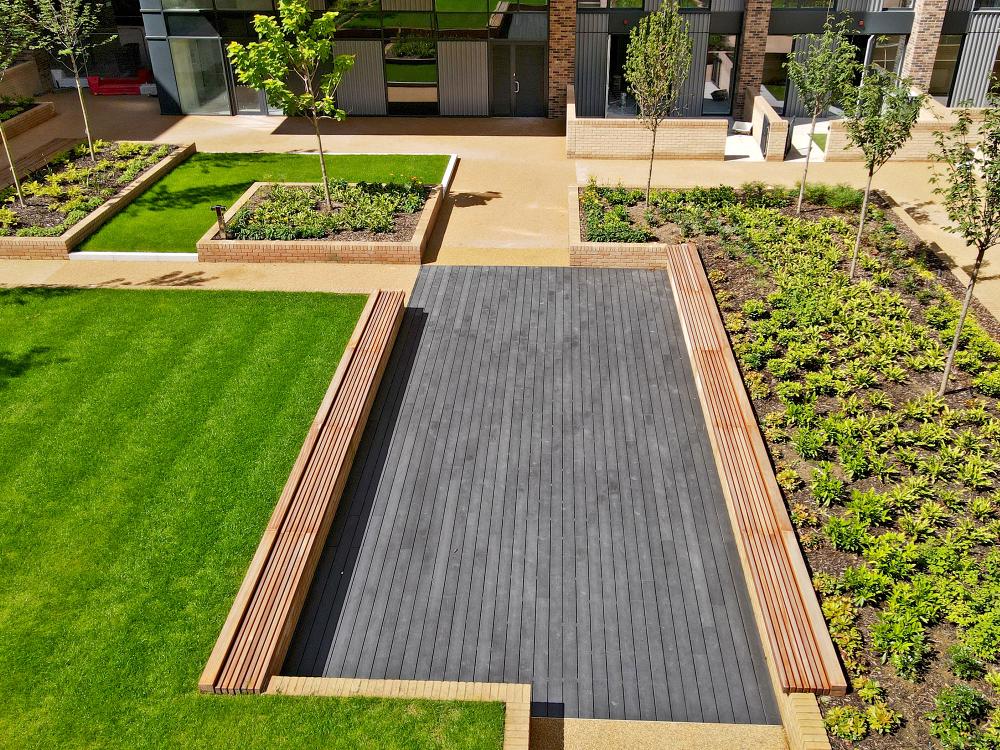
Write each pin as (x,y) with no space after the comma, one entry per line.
(515,58)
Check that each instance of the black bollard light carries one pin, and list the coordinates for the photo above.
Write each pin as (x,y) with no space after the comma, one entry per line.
(220,212)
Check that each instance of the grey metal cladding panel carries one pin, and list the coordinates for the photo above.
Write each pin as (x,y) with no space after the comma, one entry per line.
(698,23)
(728,6)
(961,5)
(975,65)
(464,78)
(362,92)
(591,74)
(692,97)
(596,23)
(864,6)
(793,103)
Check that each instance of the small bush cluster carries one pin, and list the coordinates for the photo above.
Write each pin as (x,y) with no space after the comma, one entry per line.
(11,107)
(72,186)
(291,213)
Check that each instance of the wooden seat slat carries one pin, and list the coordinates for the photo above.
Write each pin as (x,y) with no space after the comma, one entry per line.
(258,630)
(793,629)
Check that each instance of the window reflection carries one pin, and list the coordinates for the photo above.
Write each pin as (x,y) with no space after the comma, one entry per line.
(720,74)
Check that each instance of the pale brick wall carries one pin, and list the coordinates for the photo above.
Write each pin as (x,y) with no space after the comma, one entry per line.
(677,138)
(933,119)
(761,111)
(562,53)
(22,79)
(921,49)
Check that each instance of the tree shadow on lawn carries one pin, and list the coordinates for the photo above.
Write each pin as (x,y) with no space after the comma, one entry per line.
(15,365)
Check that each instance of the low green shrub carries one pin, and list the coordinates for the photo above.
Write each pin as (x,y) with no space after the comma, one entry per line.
(963,663)
(900,640)
(953,722)
(11,107)
(846,723)
(292,212)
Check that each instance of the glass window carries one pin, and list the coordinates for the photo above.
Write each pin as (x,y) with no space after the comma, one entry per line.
(888,52)
(897,4)
(187,4)
(411,71)
(201,76)
(943,73)
(720,74)
(775,80)
(244,4)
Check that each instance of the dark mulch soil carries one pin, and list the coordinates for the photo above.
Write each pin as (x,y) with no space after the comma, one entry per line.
(39,211)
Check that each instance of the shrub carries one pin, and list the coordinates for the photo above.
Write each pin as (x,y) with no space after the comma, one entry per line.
(8,220)
(963,663)
(900,640)
(869,690)
(846,534)
(846,723)
(882,719)
(956,711)
(789,480)
(826,488)
(11,107)
(988,382)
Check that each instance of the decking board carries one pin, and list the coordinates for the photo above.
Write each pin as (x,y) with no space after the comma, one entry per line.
(536,500)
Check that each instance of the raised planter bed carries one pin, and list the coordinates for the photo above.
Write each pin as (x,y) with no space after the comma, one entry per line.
(211,247)
(28,119)
(59,246)
(610,254)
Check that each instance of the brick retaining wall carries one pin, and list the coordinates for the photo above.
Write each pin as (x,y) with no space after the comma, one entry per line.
(27,120)
(609,254)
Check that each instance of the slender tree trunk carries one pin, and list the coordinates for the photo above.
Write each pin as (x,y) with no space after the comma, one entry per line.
(10,160)
(322,161)
(966,303)
(649,177)
(861,224)
(805,172)
(83,110)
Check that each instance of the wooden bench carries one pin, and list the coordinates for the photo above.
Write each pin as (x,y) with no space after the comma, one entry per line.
(796,638)
(255,638)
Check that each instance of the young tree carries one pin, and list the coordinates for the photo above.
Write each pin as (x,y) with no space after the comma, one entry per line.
(823,73)
(969,188)
(880,119)
(66,28)
(15,37)
(295,45)
(656,64)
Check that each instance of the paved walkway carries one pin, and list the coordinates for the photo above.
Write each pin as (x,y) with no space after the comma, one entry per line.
(509,196)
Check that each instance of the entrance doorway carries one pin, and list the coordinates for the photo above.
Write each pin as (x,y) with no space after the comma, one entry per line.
(518,77)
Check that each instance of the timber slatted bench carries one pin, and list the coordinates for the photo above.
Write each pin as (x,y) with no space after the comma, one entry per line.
(255,638)
(795,634)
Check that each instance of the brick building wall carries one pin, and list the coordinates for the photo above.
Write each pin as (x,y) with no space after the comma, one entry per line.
(921,49)
(562,53)
(753,44)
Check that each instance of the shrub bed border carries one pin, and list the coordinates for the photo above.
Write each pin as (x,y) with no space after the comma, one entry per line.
(28,119)
(211,249)
(59,247)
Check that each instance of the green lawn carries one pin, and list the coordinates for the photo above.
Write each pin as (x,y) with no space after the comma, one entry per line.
(144,439)
(820,140)
(173,214)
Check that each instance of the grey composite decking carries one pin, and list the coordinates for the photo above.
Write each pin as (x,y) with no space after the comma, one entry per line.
(535,500)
